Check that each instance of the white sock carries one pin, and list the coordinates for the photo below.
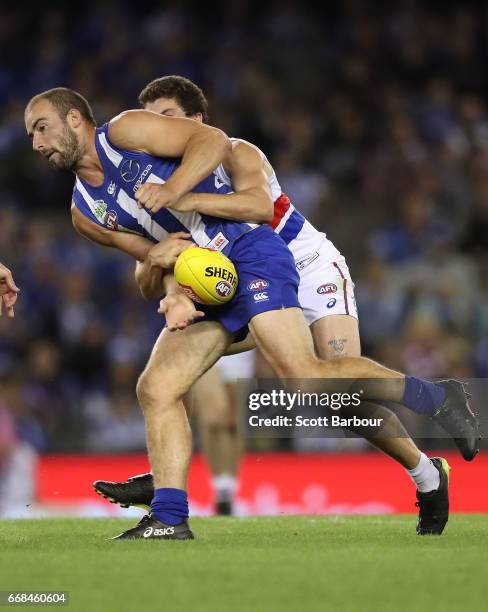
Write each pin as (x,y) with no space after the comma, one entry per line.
(225,486)
(425,475)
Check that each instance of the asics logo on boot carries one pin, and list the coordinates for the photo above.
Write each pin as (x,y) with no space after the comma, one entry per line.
(158,532)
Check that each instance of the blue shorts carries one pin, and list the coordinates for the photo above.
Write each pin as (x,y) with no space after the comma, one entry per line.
(268,280)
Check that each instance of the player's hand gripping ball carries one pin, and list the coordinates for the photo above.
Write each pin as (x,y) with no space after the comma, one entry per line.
(206,276)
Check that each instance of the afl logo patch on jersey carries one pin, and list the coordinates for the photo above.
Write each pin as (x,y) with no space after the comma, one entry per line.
(129,170)
(110,220)
(257,285)
(327,288)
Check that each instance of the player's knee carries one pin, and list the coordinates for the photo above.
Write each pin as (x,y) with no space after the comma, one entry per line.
(154,391)
(145,390)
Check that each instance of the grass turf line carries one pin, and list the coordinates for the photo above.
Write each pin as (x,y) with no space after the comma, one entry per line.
(346,563)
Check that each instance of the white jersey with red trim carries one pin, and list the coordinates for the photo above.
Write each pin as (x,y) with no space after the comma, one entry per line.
(302,238)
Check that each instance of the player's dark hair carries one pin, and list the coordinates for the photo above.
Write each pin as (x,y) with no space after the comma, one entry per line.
(188,95)
(63,100)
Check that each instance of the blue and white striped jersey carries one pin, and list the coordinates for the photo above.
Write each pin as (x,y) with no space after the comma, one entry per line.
(113,203)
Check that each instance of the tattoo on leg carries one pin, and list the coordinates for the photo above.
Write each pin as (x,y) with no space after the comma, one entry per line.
(339,346)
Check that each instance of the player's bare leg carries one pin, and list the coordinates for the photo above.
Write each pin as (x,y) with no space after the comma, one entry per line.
(283,338)
(211,401)
(176,362)
(291,356)
(178,359)
(285,341)
(337,336)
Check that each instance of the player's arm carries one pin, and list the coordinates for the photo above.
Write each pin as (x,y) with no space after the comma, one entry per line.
(159,260)
(132,244)
(251,200)
(201,148)
(149,279)
(152,259)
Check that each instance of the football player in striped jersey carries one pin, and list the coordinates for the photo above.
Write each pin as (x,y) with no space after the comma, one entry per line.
(130,174)
(325,292)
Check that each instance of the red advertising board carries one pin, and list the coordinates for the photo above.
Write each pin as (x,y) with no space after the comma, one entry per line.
(276,483)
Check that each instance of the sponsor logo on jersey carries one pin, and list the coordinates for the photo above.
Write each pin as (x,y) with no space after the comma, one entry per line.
(144,173)
(111,188)
(327,288)
(110,220)
(257,284)
(331,303)
(261,297)
(306,261)
(223,288)
(129,169)
(158,532)
(215,271)
(100,208)
(218,243)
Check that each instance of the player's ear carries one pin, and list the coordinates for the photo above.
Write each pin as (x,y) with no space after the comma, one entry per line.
(74,118)
(197,117)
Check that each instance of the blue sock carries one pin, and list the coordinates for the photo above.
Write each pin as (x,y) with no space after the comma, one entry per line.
(422,396)
(170,506)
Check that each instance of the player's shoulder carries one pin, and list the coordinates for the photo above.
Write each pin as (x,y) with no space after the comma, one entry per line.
(245,153)
(125,129)
(244,146)
(132,117)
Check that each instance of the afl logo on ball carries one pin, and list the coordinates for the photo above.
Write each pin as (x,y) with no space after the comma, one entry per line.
(257,285)
(327,288)
(223,288)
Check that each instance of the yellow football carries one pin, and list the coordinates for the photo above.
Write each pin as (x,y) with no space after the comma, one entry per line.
(207,276)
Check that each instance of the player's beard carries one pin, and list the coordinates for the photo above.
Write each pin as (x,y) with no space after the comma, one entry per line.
(69,153)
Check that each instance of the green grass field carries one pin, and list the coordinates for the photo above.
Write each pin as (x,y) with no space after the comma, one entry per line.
(332,563)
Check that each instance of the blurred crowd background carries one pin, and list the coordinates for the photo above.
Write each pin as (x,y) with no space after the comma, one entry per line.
(375,118)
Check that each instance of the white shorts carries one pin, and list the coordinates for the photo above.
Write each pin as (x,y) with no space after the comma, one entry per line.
(325,288)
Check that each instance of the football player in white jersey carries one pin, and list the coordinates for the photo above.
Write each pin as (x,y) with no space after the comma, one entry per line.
(8,291)
(325,294)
